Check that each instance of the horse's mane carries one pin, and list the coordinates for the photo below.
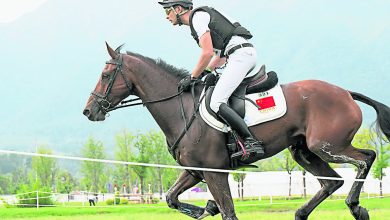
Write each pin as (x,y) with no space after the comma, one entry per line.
(177,72)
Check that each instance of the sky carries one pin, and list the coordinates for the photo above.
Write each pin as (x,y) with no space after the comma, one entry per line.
(13,9)
(53,51)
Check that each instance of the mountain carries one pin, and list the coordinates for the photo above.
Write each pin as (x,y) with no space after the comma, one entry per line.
(51,59)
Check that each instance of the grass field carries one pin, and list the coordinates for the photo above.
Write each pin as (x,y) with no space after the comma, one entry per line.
(328,210)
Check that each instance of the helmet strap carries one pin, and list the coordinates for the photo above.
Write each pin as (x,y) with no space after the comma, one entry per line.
(178,15)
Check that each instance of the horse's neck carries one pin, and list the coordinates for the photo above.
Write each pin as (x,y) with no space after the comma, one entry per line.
(159,85)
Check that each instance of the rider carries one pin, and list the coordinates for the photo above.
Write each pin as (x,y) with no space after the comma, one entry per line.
(223,41)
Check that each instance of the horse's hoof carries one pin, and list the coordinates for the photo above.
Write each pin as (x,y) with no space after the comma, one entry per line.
(229,218)
(212,207)
(300,216)
(360,213)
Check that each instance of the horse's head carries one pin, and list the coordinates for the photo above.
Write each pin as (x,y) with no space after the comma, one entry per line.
(110,90)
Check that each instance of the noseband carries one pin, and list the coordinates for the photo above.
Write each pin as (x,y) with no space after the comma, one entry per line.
(102,99)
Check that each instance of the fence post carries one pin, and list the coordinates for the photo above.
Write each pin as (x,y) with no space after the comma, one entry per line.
(37,199)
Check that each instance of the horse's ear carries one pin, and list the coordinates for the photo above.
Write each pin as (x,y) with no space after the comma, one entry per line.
(118,49)
(112,52)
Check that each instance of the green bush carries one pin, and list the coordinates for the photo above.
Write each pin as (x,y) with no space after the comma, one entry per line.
(124,201)
(110,202)
(28,196)
(5,203)
(117,201)
(155,200)
(117,198)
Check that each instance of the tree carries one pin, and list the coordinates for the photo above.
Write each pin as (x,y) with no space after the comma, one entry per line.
(303,181)
(169,177)
(288,164)
(18,178)
(123,152)
(45,168)
(380,164)
(93,172)
(159,155)
(269,164)
(65,182)
(141,155)
(5,184)
(239,178)
(368,139)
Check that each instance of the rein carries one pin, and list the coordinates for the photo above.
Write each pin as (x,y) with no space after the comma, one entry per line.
(106,106)
(188,124)
(124,104)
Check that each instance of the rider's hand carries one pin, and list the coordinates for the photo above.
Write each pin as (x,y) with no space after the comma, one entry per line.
(185,83)
(204,73)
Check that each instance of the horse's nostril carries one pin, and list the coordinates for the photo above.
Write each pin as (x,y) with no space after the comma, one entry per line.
(86,112)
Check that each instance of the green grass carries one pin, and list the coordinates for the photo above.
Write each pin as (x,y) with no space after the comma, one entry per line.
(328,210)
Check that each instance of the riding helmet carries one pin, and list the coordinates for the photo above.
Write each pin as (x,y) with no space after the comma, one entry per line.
(170,3)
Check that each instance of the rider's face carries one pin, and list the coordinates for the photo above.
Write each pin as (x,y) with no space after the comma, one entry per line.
(171,15)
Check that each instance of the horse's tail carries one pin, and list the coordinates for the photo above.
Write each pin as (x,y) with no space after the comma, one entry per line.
(382,111)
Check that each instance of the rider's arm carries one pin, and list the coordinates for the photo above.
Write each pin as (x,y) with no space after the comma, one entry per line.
(206,55)
(216,62)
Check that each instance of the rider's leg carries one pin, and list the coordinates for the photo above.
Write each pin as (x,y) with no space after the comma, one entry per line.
(238,65)
(251,145)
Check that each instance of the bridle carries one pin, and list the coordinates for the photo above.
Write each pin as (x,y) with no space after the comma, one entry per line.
(102,99)
(106,106)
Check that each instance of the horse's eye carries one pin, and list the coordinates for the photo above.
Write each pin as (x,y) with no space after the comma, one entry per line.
(105,76)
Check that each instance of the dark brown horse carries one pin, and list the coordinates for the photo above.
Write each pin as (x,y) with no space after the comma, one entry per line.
(318,128)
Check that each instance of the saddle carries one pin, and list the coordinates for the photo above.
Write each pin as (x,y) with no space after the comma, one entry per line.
(259,82)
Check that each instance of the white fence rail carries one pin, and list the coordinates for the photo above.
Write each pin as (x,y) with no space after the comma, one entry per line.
(256,184)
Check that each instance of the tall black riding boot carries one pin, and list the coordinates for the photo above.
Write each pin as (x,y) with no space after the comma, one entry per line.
(251,145)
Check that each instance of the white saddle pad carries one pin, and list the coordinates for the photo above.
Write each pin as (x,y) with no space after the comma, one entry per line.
(270,105)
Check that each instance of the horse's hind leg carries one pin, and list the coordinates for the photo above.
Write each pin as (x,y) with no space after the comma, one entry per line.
(316,166)
(353,197)
(219,188)
(184,182)
(362,159)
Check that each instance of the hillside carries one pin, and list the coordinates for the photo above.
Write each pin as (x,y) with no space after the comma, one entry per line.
(51,59)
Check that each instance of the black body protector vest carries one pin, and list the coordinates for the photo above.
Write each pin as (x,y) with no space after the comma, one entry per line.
(221,29)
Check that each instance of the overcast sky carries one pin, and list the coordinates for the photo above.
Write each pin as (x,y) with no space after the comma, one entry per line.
(52,52)
(11,10)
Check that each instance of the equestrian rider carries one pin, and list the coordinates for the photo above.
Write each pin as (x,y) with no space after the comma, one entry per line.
(223,41)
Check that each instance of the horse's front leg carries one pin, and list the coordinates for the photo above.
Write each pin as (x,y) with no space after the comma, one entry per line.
(184,182)
(219,187)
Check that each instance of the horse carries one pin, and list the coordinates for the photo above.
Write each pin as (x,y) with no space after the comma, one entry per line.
(318,129)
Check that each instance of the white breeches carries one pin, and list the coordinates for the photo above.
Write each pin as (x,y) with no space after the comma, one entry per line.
(238,65)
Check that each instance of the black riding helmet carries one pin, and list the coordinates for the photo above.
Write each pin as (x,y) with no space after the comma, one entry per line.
(170,3)
(187,4)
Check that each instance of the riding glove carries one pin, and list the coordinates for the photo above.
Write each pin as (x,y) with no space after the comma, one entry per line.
(185,83)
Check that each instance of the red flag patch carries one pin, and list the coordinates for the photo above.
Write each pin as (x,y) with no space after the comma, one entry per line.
(267,102)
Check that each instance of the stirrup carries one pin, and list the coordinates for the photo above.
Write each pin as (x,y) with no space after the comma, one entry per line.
(252,143)
(249,150)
